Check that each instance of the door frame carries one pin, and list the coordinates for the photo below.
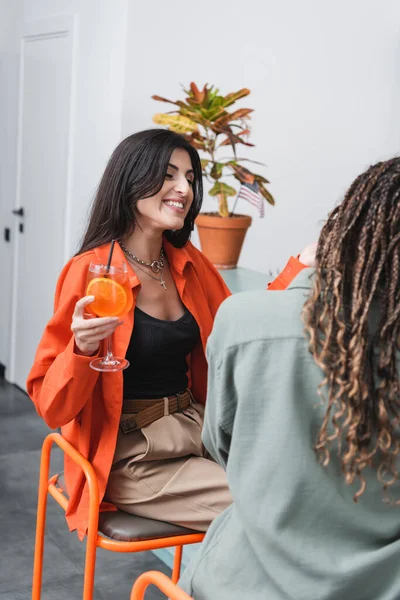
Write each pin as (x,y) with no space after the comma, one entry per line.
(51,27)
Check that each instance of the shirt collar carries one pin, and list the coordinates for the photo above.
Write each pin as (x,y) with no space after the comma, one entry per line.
(178,258)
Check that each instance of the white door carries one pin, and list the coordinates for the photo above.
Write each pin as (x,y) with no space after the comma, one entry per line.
(43,181)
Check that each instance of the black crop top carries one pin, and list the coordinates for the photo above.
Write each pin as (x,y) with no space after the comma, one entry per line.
(157,354)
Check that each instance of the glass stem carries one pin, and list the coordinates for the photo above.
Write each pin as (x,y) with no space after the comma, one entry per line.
(109,358)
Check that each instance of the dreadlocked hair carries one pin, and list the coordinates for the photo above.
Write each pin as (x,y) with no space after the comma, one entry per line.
(358,264)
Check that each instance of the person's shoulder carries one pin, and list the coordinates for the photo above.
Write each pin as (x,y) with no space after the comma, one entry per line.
(75,270)
(84,259)
(195,254)
(260,315)
(79,261)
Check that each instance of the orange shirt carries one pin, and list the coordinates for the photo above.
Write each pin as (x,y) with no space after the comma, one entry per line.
(87,404)
(292,268)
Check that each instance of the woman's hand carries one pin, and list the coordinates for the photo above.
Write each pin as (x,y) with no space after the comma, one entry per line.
(307,256)
(88,332)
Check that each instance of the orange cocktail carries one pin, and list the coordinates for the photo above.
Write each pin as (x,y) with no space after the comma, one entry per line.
(112,293)
(112,298)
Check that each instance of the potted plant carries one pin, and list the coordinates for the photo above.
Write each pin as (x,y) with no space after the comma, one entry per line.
(206,123)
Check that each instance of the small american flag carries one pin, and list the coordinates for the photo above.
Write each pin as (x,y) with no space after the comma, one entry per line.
(250,192)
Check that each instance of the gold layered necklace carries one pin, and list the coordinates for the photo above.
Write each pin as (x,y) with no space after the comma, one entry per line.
(157,266)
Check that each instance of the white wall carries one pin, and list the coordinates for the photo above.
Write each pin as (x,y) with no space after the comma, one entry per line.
(101,56)
(325,81)
(325,88)
(9,15)
(101,53)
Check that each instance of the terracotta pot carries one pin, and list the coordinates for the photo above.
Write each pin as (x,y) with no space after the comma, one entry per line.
(221,238)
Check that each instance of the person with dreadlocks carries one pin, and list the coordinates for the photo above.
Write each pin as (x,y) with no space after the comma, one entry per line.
(303,413)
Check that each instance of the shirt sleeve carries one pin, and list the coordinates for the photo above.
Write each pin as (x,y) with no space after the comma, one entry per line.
(222,396)
(216,289)
(61,381)
(291,270)
(220,411)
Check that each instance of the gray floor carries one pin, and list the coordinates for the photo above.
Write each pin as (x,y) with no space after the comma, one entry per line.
(21,436)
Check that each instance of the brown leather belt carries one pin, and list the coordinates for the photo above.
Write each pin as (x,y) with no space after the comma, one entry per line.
(148,411)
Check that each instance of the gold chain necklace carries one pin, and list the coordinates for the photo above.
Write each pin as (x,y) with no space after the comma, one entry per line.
(154,265)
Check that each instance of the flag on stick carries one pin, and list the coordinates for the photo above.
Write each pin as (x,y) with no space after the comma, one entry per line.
(250,192)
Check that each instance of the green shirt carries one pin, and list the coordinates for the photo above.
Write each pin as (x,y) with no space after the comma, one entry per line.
(293,531)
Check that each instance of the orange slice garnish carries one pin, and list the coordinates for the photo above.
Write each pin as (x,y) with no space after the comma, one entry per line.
(109,297)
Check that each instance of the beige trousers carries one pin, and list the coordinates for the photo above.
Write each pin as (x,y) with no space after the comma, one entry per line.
(162,472)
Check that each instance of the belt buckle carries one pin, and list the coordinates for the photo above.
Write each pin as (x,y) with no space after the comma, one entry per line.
(129,425)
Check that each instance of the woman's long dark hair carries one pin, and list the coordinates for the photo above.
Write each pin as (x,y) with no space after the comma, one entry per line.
(136,170)
(358,263)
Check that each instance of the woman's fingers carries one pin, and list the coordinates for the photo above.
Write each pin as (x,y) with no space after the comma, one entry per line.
(79,323)
(99,334)
(80,305)
(88,340)
(79,313)
(90,331)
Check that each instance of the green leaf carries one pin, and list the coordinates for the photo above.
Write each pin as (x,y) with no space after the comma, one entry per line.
(222,188)
(160,99)
(216,102)
(213,113)
(213,92)
(241,173)
(183,105)
(223,206)
(255,162)
(196,140)
(242,113)
(193,102)
(177,123)
(204,162)
(216,171)
(231,98)
(196,117)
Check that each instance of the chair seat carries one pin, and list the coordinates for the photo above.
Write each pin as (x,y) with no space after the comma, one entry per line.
(122,526)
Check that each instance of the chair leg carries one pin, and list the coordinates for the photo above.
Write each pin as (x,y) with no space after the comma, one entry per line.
(90,565)
(41,519)
(91,543)
(176,571)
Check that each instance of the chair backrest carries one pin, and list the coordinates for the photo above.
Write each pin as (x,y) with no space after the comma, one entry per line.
(172,591)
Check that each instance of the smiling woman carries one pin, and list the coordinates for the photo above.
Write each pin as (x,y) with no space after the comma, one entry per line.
(138,170)
(167,209)
(147,200)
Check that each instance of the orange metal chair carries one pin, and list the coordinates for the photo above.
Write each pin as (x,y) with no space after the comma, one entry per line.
(162,582)
(152,534)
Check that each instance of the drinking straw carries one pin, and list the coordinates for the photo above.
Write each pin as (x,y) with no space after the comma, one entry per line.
(110,255)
